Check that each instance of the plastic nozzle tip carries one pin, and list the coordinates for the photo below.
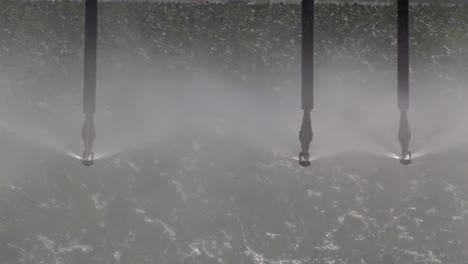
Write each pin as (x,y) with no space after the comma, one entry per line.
(406,158)
(304,159)
(88,159)
(87,163)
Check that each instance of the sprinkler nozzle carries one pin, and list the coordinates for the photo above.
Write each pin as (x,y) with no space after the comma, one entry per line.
(305,137)
(88,158)
(88,134)
(406,157)
(304,160)
(404,136)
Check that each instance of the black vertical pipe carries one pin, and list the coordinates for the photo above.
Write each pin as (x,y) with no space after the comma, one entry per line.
(404,133)
(88,132)
(307,85)
(403,55)
(307,55)
(90,59)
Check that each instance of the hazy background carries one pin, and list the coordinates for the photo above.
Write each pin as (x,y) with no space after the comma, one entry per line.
(197,125)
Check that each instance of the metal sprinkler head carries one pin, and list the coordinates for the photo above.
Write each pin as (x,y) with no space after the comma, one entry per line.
(87,159)
(304,160)
(406,158)
(88,134)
